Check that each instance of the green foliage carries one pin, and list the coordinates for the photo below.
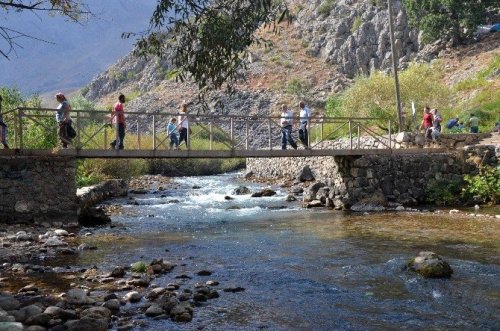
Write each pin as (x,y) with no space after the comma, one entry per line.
(326,8)
(79,102)
(85,90)
(209,40)
(139,267)
(420,83)
(443,192)
(297,87)
(333,107)
(131,75)
(171,74)
(483,187)
(446,19)
(356,24)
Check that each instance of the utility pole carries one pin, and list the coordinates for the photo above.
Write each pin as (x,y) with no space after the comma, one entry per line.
(395,65)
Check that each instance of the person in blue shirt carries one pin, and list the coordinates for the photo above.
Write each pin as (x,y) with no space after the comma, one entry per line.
(172,133)
(452,123)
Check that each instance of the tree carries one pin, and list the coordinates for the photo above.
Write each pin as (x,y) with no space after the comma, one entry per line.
(208,40)
(454,20)
(74,10)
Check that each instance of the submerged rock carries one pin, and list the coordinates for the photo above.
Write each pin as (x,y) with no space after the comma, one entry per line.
(267,192)
(241,190)
(430,265)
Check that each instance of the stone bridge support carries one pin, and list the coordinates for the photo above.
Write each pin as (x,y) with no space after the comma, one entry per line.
(348,180)
(38,190)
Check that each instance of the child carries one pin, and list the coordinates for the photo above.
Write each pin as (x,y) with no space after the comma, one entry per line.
(3,133)
(172,133)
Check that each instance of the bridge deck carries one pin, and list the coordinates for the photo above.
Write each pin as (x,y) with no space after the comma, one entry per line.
(160,154)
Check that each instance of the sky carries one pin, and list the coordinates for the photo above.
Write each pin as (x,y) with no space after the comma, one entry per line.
(74,52)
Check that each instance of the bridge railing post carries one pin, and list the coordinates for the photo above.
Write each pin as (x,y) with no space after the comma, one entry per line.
(359,137)
(350,135)
(246,138)
(390,135)
(20,121)
(269,132)
(78,129)
(138,135)
(154,132)
(211,134)
(231,133)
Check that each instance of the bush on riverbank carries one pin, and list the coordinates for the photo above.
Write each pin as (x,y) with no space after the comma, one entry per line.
(424,85)
(483,187)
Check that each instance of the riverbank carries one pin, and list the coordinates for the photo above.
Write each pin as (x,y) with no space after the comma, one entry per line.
(211,257)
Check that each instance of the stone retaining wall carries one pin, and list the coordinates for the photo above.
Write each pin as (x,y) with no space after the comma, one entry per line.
(38,190)
(400,179)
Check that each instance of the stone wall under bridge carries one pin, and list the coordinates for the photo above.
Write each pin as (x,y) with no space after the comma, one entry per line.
(38,190)
(344,181)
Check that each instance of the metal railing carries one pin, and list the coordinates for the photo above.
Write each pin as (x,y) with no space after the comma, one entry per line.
(36,128)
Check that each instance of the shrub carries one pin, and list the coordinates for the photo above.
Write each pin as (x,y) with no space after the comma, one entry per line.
(483,187)
(443,192)
(326,7)
(297,87)
(356,24)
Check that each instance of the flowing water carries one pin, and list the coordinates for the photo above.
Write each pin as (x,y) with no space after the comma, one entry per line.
(308,269)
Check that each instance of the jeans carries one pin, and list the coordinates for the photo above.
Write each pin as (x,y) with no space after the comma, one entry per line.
(174,140)
(120,136)
(474,129)
(303,134)
(183,136)
(286,136)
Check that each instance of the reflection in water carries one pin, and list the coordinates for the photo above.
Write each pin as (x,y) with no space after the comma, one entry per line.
(310,270)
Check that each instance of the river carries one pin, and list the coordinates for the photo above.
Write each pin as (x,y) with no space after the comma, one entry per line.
(307,269)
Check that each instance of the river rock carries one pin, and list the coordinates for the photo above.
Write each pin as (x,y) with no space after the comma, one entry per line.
(87,324)
(154,310)
(291,198)
(8,302)
(305,174)
(430,265)
(183,312)
(93,216)
(35,328)
(78,297)
(312,190)
(54,242)
(39,319)
(367,207)
(61,233)
(313,204)
(113,305)
(267,192)
(11,326)
(241,190)
(97,313)
(117,272)
(141,282)
(155,293)
(5,317)
(28,312)
(133,296)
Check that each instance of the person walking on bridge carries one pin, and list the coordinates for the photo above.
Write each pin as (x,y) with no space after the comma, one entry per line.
(427,123)
(305,115)
(118,119)
(183,124)
(63,120)
(286,127)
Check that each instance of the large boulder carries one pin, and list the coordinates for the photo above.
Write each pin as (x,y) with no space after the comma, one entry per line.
(93,216)
(312,190)
(305,174)
(430,265)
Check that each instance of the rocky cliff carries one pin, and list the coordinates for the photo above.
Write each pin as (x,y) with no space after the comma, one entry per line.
(327,45)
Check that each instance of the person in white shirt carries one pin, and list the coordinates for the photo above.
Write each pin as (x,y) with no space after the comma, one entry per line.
(183,124)
(286,127)
(305,116)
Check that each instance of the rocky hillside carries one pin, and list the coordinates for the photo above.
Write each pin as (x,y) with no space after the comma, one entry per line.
(328,44)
